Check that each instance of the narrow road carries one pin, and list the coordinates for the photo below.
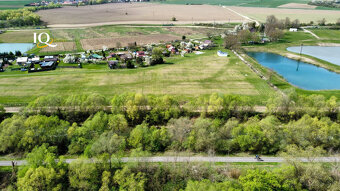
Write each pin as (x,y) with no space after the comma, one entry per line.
(168,159)
(259,109)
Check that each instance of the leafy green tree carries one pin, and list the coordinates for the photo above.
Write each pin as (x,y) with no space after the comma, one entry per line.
(108,142)
(92,128)
(203,136)
(128,180)
(179,130)
(207,185)
(43,172)
(118,124)
(41,129)
(163,108)
(11,132)
(38,179)
(83,175)
(260,180)
(106,176)
(157,56)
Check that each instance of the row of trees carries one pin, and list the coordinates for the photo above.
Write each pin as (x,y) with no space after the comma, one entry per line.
(44,172)
(23,17)
(328,3)
(112,134)
(159,109)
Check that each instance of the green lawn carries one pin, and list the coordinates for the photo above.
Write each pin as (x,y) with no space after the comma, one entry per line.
(327,34)
(186,77)
(14,4)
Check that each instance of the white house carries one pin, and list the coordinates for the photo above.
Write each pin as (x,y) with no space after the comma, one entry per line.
(22,60)
(293,30)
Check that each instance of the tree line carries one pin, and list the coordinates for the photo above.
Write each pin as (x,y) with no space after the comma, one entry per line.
(46,171)
(23,17)
(218,123)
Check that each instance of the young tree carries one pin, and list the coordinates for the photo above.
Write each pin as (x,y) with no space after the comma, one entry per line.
(231,42)
(83,175)
(157,56)
(322,22)
(42,171)
(128,180)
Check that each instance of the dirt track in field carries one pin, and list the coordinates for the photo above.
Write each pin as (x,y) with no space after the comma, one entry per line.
(137,13)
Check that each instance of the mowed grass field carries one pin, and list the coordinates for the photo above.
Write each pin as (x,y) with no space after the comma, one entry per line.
(186,77)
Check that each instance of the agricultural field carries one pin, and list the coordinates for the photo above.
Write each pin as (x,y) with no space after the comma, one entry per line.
(189,76)
(245,3)
(79,39)
(304,15)
(136,13)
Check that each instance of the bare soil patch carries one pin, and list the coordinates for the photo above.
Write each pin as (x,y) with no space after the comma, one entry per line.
(120,13)
(304,15)
(61,46)
(297,6)
(98,43)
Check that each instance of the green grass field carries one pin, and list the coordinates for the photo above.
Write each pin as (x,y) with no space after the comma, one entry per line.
(186,77)
(246,3)
(15,4)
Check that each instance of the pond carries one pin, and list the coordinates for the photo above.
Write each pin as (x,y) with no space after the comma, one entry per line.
(12,47)
(327,53)
(300,74)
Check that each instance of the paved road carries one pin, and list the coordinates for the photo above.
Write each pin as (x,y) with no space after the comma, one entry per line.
(198,159)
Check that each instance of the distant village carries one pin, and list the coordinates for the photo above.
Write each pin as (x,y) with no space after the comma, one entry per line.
(132,56)
(78,2)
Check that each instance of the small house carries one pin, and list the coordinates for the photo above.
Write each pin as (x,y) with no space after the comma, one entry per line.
(35,60)
(22,61)
(140,54)
(95,56)
(50,59)
(47,65)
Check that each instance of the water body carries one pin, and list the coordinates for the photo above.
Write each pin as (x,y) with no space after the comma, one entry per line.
(12,47)
(327,53)
(300,74)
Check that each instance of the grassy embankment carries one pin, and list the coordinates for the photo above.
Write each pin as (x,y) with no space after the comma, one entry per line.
(296,39)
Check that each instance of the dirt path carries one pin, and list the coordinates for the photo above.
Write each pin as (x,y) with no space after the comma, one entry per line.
(259,109)
(247,18)
(310,32)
